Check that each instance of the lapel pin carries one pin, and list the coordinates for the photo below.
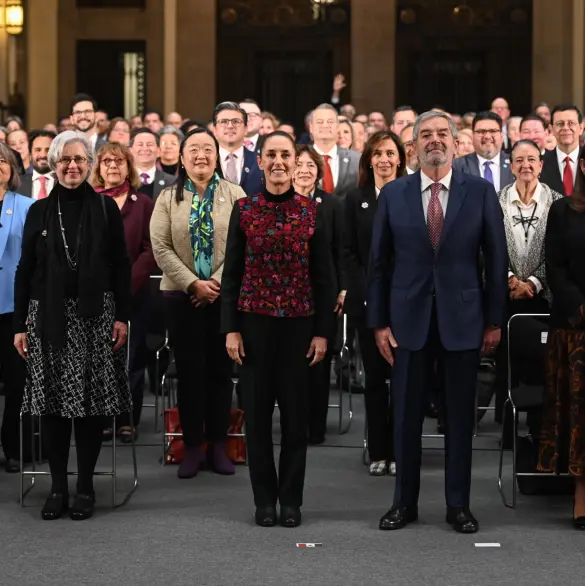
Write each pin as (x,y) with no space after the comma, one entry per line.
(161,182)
(318,200)
(365,205)
(44,233)
(133,197)
(246,170)
(8,212)
(346,160)
(222,199)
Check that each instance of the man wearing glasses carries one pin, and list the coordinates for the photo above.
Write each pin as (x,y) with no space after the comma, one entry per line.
(83,116)
(488,161)
(560,165)
(239,165)
(253,140)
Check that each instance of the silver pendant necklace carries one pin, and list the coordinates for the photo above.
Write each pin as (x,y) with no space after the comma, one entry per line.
(70,260)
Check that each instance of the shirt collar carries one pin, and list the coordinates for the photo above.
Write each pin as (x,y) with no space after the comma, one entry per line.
(573,155)
(514,198)
(223,154)
(332,153)
(426,181)
(494,161)
(36,175)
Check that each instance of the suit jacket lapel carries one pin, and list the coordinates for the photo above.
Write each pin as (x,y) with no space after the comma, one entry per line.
(413,197)
(343,169)
(249,160)
(456,197)
(474,165)
(6,220)
(506,176)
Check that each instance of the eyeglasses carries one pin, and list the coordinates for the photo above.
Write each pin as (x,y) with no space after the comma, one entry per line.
(254,115)
(562,123)
(118,161)
(235,122)
(82,112)
(66,161)
(490,131)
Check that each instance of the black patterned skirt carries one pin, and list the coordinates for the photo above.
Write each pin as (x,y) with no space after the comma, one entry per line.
(83,378)
(562,438)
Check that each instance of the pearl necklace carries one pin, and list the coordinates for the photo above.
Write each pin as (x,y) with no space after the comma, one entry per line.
(70,260)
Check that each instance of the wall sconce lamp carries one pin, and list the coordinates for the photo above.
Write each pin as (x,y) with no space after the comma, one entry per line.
(13,16)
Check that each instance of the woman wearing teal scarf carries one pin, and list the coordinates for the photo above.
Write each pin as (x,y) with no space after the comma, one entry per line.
(188,232)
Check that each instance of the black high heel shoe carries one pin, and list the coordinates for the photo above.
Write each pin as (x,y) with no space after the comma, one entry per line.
(55,505)
(83,507)
(578,522)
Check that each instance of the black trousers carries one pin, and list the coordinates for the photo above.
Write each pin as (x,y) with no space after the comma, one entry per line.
(319,385)
(13,376)
(409,393)
(56,433)
(276,369)
(204,370)
(139,319)
(377,397)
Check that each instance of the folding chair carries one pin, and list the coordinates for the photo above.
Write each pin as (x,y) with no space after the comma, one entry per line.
(33,473)
(343,354)
(157,342)
(527,337)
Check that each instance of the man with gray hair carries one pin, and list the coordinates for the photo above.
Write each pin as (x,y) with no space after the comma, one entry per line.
(426,301)
(340,173)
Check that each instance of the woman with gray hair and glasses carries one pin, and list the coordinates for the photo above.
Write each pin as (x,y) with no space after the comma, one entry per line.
(170,147)
(72,298)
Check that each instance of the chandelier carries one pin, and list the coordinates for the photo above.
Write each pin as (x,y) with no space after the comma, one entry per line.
(319,8)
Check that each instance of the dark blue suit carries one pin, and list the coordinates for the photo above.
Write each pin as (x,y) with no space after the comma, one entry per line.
(252,180)
(437,307)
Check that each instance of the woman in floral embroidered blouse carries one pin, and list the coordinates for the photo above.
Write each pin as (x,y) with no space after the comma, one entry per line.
(188,231)
(277,311)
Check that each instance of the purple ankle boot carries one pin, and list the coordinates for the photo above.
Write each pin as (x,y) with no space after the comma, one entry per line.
(189,467)
(220,463)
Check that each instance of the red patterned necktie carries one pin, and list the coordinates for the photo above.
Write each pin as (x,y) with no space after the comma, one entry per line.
(568,177)
(328,185)
(435,218)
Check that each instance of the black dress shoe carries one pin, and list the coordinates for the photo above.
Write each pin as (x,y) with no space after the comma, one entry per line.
(290,516)
(55,505)
(265,516)
(461,519)
(316,439)
(398,517)
(11,466)
(83,507)
(579,523)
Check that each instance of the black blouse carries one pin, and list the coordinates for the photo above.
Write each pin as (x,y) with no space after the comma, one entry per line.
(320,272)
(30,275)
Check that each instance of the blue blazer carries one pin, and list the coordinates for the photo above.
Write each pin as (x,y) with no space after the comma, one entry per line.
(405,274)
(14,210)
(252,180)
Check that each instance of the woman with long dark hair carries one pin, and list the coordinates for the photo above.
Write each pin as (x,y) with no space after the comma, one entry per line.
(277,312)
(383,160)
(189,231)
(562,438)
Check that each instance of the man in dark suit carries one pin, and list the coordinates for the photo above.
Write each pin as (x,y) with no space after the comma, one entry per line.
(488,161)
(145,147)
(426,301)
(341,165)
(559,169)
(239,165)
(40,181)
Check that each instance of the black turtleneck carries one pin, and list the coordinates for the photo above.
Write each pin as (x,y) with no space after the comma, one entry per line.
(31,275)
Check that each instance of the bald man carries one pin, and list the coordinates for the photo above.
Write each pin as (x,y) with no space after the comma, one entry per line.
(174,119)
(502,109)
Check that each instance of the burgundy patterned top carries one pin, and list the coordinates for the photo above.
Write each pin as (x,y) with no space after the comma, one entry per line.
(278,261)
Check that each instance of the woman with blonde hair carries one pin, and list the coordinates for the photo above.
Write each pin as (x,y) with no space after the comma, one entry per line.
(114,175)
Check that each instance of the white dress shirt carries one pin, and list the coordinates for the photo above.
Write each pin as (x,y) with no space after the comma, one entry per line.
(36,184)
(377,192)
(574,156)
(333,161)
(409,171)
(495,167)
(150,174)
(223,156)
(425,187)
(517,207)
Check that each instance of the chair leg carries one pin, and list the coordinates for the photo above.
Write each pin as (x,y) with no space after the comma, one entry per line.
(514,448)
(501,466)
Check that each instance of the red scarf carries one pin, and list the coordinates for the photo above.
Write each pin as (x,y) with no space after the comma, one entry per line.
(115,191)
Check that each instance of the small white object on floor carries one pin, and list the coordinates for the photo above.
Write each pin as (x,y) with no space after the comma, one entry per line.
(487,545)
(309,544)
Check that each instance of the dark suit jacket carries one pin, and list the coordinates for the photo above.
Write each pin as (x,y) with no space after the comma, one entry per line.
(25,187)
(252,180)
(551,174)
(360,209)
(406,277)
(161,181)
(470,164)
(564,253)
(332,212)
(136,213)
